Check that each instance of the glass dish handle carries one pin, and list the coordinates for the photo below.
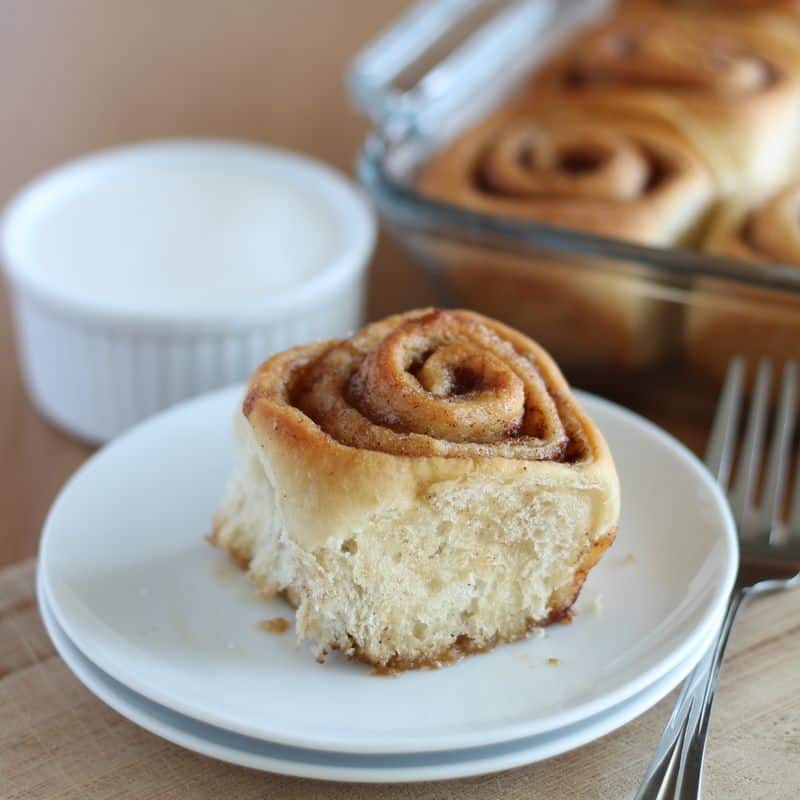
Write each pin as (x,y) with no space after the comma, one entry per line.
(506,39)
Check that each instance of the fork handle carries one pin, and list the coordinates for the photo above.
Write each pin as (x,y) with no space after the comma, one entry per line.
(676,770)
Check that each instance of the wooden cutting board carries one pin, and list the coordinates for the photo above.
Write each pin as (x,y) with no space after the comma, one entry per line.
(58,742)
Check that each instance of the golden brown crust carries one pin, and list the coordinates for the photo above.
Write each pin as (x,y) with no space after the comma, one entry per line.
(350,480)
(731,85)
(436,383)
(606,173)
(426,383)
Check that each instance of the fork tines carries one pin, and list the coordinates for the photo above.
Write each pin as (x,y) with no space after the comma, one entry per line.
(757,515)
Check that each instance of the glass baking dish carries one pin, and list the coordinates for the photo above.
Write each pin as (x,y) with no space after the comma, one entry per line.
(654,328)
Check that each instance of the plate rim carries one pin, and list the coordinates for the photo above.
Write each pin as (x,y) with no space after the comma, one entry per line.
(518,753)
(441,743)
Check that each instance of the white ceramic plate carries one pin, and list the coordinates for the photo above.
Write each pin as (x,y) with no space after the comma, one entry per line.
(258,754)
(138,590)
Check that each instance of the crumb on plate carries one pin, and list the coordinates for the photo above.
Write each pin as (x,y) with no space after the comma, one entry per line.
(274,625)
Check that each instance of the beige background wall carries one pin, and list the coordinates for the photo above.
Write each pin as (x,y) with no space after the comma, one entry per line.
(77,75)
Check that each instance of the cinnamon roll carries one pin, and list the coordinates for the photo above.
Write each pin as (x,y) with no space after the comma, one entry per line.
(612,175)
(423,489)
(725,319)
(622,177)
(733,85)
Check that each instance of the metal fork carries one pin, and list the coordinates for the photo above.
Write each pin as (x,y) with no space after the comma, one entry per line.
(769,549)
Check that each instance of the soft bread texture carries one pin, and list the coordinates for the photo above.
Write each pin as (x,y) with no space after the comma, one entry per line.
(378,491)
(727,320)
(732,84)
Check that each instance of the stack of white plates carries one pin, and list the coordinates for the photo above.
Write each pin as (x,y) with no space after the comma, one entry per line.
(158,625)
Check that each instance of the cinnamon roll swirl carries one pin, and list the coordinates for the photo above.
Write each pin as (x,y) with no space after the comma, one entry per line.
(729,320)
(733,85)
(423,489)
(611,175)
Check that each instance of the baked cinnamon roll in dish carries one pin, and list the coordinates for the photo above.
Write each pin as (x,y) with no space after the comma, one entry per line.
(424,489)
(726,320)
(609,174)
(732,84)
(612,174)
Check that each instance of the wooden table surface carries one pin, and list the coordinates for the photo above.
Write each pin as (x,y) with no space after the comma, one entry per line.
(90,74)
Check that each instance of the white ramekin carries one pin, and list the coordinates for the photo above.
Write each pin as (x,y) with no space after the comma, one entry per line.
(94,371)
